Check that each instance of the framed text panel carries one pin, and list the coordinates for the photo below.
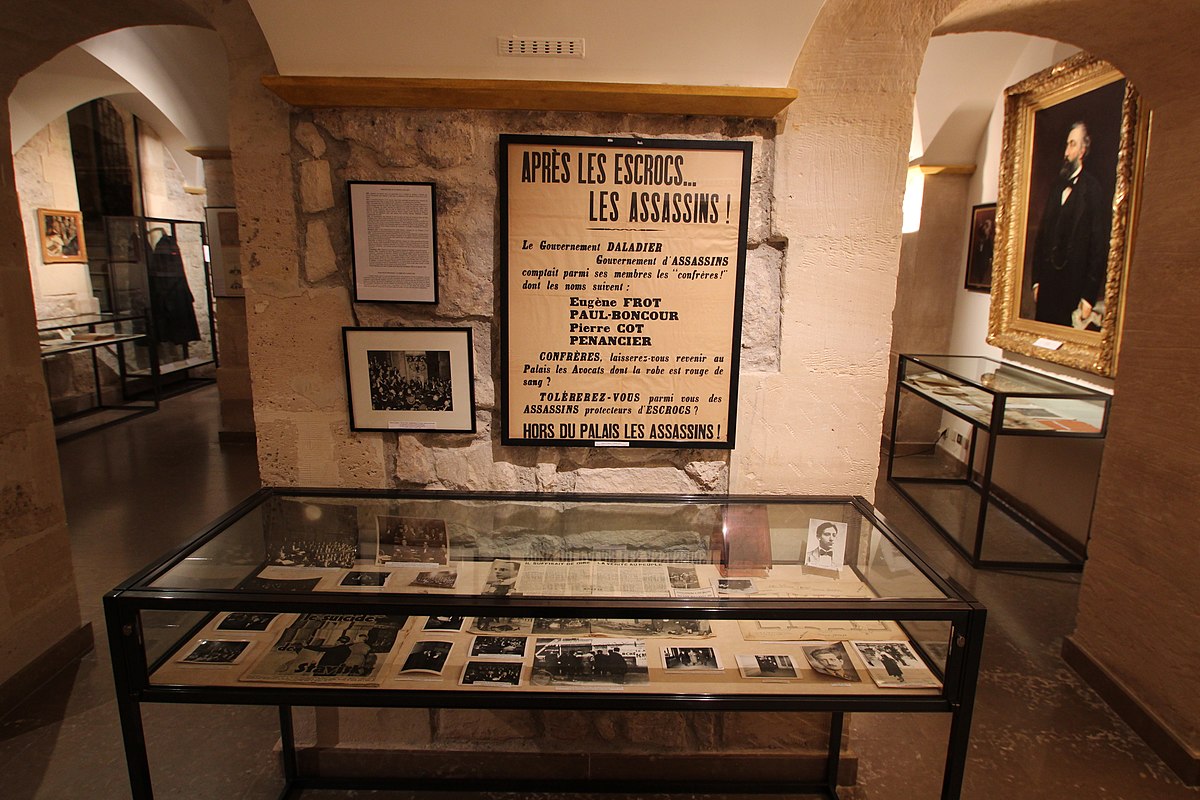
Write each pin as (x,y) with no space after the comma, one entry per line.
(393,226)
(623,272)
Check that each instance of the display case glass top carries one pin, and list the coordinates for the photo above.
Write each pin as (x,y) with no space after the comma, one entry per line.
(58,335)
(84,320)
(660,548)
(975,388)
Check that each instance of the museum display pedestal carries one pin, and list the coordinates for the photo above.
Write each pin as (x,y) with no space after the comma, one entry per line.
(595,603)
(998,400)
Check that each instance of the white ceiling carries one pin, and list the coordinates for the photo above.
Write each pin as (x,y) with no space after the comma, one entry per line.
(176,78)
(701,42)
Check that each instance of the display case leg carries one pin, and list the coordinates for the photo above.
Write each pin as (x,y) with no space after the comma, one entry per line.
(834,760)
(970,640)
(287,740)
(134,737)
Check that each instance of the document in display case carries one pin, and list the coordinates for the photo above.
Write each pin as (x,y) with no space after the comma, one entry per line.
(433,599)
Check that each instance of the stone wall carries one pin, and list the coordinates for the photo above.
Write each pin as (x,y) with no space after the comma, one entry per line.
(458,150)
(38,603)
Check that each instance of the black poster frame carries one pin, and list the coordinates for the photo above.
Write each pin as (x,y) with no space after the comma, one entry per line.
(354,268)
(505,318)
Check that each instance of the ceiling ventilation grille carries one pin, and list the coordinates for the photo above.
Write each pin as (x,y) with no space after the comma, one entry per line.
(540,46)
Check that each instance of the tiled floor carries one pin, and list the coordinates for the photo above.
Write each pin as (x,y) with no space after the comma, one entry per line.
(139,489)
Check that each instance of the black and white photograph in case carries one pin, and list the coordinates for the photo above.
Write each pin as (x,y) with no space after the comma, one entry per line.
(365,579)
(329,648)
(245,621)
(562,626)
(825,548)
(502,625)
(257,584)
(216,652)
(444,623)
(691,628)
(502,578)
(831,660)
(302,534)
(729,587)
(436,579)
(491,674)
(498,647)
(780,667)
(598,662)
(427,658)
(894,665)
(413,379)
(409,541)
(683,576)
(687,659)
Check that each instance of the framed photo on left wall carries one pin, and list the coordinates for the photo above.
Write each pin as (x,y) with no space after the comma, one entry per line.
(61,235)
(410,379)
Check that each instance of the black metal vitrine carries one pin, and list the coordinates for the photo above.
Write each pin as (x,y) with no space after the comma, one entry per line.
(302,597)
(997,400)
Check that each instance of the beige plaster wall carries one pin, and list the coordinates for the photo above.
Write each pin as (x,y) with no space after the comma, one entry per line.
(931,263)
(1138,618)
(815,426)
(38,603)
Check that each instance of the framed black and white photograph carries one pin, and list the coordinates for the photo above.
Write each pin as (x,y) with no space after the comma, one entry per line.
(689,659)
(410,379)
(981,248)
(491,674)
(825,547)
(779,667)
(831,660)
(393,226)
(498,647)
(216,652)
(245,621)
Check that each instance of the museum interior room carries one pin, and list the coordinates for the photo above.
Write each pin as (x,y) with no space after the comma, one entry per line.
(808,359)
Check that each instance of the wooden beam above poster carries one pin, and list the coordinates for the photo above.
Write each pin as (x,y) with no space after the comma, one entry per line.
(311,91)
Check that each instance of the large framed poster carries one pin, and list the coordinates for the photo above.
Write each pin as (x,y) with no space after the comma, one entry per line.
(622,280)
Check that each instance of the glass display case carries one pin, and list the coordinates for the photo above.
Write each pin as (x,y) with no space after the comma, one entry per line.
(600,602)
(103,336)
(997,400)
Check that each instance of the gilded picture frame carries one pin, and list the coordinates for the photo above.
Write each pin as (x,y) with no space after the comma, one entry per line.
(61,236)
(1073,147)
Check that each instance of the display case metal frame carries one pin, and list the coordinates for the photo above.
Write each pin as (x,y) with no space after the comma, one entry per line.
(981,482)
(132,669)
(116,344)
